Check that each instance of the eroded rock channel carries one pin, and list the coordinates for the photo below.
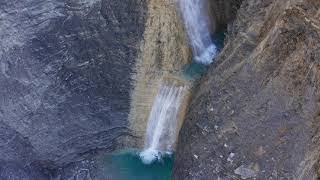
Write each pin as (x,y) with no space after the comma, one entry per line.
(80,79)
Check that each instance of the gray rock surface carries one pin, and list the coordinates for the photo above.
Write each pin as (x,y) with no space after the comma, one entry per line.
(245,172)
(65,77)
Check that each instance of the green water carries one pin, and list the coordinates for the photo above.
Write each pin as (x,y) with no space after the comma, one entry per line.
(126,165)
(195,70)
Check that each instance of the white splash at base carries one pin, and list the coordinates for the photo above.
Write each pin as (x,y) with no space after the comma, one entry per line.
(148,156)
(207,55)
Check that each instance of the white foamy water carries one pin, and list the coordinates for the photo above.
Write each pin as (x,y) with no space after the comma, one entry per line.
(163,122)
(196,24)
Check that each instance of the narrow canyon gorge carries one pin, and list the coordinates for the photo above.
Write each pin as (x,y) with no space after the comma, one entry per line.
(210,89)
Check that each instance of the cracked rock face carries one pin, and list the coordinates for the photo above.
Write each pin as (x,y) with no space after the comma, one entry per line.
(260,100)
(65,75)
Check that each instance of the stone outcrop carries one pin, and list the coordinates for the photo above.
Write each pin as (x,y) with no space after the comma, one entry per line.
(256,112)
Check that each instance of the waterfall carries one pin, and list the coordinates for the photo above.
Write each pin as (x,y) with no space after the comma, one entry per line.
(163,122)
(196,24)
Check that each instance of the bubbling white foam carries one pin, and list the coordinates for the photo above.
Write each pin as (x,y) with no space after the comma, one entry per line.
(148,156)
(207,55)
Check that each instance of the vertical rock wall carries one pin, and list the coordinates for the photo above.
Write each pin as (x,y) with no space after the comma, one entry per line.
(222,12)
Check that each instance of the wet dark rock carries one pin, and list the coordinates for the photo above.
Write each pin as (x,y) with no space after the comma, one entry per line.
(65,76)
(221,12)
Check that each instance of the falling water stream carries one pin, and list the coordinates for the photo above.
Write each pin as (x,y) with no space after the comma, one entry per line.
(164,116)
(196,24)
(167,110)
(163,121)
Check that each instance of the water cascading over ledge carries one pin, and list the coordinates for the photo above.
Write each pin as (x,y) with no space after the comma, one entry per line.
(165,118)
(196,24)
(158,103)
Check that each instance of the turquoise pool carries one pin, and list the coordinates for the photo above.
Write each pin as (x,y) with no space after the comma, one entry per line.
(126,165)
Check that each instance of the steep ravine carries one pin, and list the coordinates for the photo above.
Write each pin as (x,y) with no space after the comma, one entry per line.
(255,114)
(78,77)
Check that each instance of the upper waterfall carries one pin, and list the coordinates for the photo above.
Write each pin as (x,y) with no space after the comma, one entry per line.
(196,24)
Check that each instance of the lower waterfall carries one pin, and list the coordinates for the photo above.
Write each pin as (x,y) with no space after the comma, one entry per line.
(163,122)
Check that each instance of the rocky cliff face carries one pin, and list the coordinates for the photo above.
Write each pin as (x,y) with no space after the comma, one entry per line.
(256,113)
(65,78)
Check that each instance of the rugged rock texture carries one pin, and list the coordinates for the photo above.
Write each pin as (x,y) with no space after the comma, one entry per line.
(256,113)
(65,78)
(221,12)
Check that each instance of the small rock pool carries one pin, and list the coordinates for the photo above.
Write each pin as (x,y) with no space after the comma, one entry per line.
(127,165)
